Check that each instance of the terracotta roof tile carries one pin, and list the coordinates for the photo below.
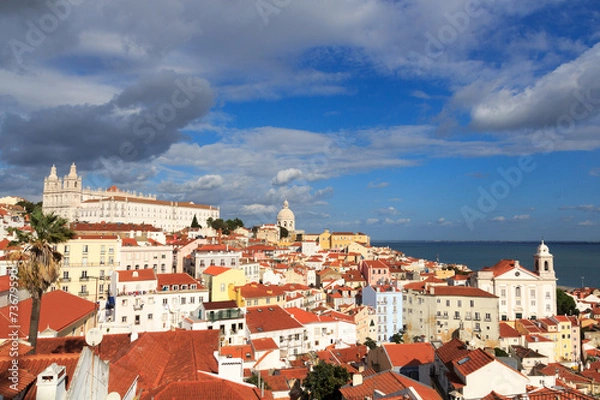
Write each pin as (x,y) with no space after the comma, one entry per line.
(136,275)
(59,310)
(387,382)
(409,354)
(269,319)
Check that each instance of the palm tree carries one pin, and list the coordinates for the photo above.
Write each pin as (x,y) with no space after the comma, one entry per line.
(38,261)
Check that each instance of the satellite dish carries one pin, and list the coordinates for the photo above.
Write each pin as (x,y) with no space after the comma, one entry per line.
(93,337)
(113,396)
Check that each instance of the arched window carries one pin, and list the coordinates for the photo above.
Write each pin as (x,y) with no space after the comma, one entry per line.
(546,267)
(518,291)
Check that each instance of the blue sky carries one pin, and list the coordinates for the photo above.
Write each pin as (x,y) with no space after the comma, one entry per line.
(457,120)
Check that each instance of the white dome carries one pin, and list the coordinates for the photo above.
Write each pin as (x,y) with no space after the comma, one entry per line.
(285,214)
(543,249)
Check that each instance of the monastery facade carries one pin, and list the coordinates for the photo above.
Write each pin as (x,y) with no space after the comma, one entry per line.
(68,198)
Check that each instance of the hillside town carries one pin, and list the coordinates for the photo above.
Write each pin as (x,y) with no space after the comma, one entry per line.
(160,299)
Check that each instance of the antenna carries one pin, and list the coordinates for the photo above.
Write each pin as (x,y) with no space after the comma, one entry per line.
(93,337)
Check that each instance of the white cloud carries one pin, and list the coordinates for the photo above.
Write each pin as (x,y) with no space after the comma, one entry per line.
(258,209)
(372,221)
(499,219)
(520,217)
(286,176)
(570,94)
(587,223)
(209,182)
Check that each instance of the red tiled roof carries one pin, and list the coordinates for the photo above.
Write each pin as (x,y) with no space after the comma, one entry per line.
(269,319)
(30,366)
(215,271)
(354,353)
(59,310)
(129,242)
(471,362)
(409,354)
(213,388)
(264,344)
(108,349)
(155,202)
(387,382)
(176,279)
(112,227)
(507,331)
(255,290)
(452,350)
(160,358)
(136,275)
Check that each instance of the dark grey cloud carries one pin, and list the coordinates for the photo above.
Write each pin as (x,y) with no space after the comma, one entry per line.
(141,122)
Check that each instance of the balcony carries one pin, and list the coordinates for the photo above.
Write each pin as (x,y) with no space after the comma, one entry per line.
(83,294)
(138,307)
(67,279)
(224,315)
(84,278)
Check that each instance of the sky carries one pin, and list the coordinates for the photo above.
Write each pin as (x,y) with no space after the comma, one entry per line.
(405,120)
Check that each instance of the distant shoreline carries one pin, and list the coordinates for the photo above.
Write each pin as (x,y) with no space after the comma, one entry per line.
(374,241)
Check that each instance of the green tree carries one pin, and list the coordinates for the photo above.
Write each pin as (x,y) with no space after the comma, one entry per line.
(29,206)
(397,337)
(253,380)
(498,352)
(324,381)
(195,223)
(38,262)
(565,304)
(370,343)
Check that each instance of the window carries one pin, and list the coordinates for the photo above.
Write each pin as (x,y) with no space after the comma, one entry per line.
(124,319)
(477,317)
(502,292)
(472,303)
(192,300)
(66,249)
(66,276)
(85,249)
(150,317)
(183,299)
(222,287)
(532,293)
(488,316)
(102,249)
(518,291)
(65,288)
(137,319)
(101,288)
(459,303)
(165,301)
(456,314)
(447,303)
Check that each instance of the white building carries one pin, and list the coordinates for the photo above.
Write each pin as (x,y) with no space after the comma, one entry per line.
(522,293)
(224,316)
(146,254)
(219,255)
(68,198)
(387,301)
(286,218)
(144,301)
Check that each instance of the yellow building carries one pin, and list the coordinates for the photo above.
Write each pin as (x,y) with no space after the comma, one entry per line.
(219,281)
(255,294)
(341,240)
(562,330)
(88,262)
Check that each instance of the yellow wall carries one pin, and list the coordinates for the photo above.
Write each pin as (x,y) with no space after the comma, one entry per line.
(219,288)
(98,260)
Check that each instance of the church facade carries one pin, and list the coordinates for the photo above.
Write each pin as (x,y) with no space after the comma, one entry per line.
(522,293)
(68,198)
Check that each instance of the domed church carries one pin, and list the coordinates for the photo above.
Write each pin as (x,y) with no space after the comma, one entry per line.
(286,218)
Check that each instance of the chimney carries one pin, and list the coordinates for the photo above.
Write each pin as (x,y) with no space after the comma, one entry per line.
(357,380)
(51,383)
